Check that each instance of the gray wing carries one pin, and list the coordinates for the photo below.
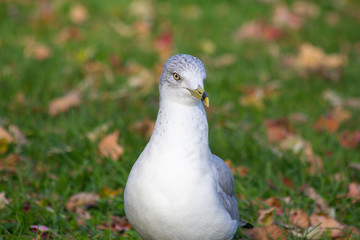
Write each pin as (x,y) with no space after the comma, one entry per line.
(226,190)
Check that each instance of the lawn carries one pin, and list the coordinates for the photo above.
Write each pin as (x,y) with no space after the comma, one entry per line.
(79,97)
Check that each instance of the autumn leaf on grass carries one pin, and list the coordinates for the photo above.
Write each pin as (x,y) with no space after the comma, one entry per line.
(79,202)
(43,232)
(117,224)
(240,170)
(141,78)
(283,16)
(353,192)
(329,225)
(312,59)
(266,233)
(10,162)
(143,127)
(68,33)
(63,104)
(94,134)
(299,218)
(255,96)
(109,147)
(34,49)
(332,120)
(349,139)
(258,30)
(278,130)
(266,216)
(107,192)
(78,13)
(321,205)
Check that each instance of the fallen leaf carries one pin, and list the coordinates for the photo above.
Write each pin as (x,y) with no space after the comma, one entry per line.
(4,134)
(313,59)
(78,13)
(19,137)
(306,9)
(266,216)
(207,46)
(141,78)
(3,200)
(63,104)
(326,123)
(325,223)
(255,96)
(109,148)
(332,97)
(94,134)
(349,139)
(354,192)
(283,16)
(118,224)
(10,162)
(258,30)
(79,202)
(122,29)
(321,205)
(142,9)
(278,130)
(143,127)
(299,218)
(224,60)
(43,232)
(266,233)
(68,33)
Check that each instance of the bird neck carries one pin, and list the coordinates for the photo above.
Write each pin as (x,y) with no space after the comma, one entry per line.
(178,123)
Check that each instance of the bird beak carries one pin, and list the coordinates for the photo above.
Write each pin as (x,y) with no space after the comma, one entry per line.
(200,94)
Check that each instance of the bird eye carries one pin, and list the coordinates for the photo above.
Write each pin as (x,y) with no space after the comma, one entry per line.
(176,76)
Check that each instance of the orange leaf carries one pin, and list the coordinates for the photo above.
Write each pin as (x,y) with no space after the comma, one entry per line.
(266,233)
(62,104)
(78,13)
(109,147)
(299,218)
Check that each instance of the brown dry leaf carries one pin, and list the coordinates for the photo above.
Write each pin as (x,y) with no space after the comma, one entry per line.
(306,9)
(94,134)
(10,162)
(255,96)
(78,13)
(109,148)
(79,202)
(19,137)
(141,78)
(321,205)
(258,30)
(4,134)
(349,139)
(354,192)
(266,233)
(283,16)
(313,59)
(299,218)
(298,117)
(278,130)
(224,60)
(240,170)
(68,33)
(118,224)
(266,216)
(3,200)
(326,124)
(63,104)
(326,223)
(142,9)
(36,50)
(122,29)
(143,127)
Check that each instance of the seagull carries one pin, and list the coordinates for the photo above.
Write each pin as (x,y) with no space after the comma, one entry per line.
(178,189)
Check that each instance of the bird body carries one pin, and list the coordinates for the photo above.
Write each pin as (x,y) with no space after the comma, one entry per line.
(178,189)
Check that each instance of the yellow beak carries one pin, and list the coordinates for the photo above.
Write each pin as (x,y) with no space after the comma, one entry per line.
(200,94)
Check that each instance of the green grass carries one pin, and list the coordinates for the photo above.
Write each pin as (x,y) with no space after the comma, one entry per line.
(45,179)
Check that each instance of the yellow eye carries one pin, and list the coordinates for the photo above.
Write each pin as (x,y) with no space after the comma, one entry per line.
(176,76)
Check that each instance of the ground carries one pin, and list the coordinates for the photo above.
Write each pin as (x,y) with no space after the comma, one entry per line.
(79,96)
